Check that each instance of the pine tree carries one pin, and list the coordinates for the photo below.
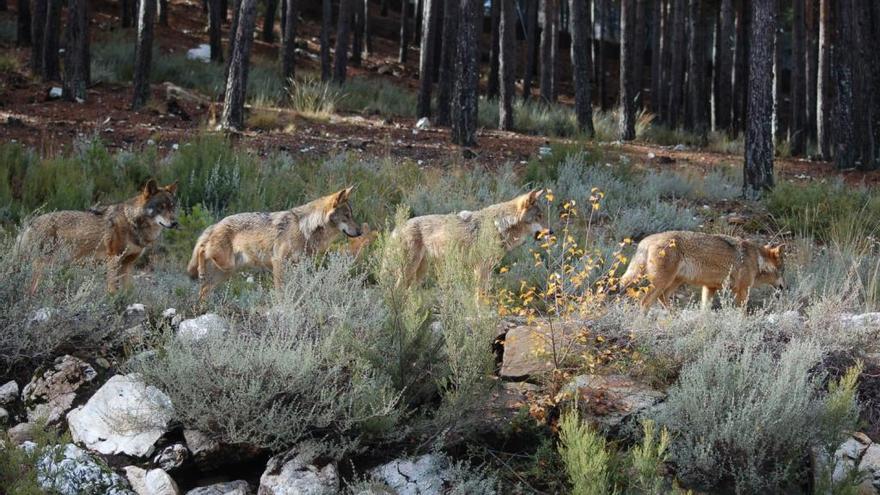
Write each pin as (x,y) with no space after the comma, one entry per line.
(549,41)
(232,116)
(268,31)
(431,21)
(288,42)
(23,24)
(581,64)
(531,47)
(724,66)
(448,57)
(143,55)
(758,168)
(507,64)
(343,38)
(215,30)
(76,54)
(404,31)
(798,132)
(677,65)
(823,82)
(494,41)
(465,95)
(326,22)
(51,63)
(628,87)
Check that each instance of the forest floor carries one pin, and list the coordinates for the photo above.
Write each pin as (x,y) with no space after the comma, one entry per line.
(29,116)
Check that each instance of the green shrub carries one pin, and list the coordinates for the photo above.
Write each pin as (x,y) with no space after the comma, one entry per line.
(587,460)
(314,98)
(453,190)
(657,216)
(817,209)
(647,460)
(377,96)
(18,466)
(180,242)
(748,386)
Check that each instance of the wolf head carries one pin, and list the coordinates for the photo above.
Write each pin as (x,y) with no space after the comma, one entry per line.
(526,220)
(770,266)
(159,204)
(340,214)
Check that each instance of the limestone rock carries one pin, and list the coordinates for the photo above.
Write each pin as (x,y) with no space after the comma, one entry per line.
(171,457)
(49,396)
(230,488)
(294,473)
(152,482)
(69,470)
(8,393)
(207,325)
(612,398)
(421,475)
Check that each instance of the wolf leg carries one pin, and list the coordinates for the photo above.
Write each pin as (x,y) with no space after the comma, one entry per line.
(706,299)
(669,292)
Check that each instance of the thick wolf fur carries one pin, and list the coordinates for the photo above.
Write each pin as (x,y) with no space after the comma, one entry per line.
(669,260)
(117,233)
(269,240)
(430,237)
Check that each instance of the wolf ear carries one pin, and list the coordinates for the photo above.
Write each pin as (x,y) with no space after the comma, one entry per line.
(171,188)
(150,188)
(341,197)
(530,198)
(775,250)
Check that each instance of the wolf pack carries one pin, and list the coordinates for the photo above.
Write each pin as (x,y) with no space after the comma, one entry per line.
(118,234)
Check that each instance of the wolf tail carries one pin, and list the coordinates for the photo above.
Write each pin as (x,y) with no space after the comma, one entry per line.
(198,251)
(635,271)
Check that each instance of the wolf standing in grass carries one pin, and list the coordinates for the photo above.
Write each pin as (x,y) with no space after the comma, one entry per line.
(671,259)
(269,240)
(430,237)
(117,233)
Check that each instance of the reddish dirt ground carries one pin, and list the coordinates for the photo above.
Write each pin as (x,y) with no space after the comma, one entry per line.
(28,116)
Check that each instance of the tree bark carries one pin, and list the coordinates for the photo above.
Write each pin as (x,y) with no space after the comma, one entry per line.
(666,61)
(699,19)
(798,132)
(51,63)
(581,64)
(823,82)
(779,129)
(357,35)
(430,19)
(215,32)
(232,117)
(143,54)
(758,168)
(602,8)
(494,21)
(677,66)
(368,37)
(326,23)
(531,47)
(448,61)
(76,54)
(628,59)
(23,24)
(811,71)
(288,43)
(724,66)
(465,97)
(741,67)
(640,45)
(38,30)
(163,12)
(127,12)
(507,64)
(404,31)
(549,40)
(343,38)
(656,50)
(268,32)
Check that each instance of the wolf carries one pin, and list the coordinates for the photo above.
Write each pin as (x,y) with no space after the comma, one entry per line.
(669,260)
(269,240)
(430,237)
(117,233)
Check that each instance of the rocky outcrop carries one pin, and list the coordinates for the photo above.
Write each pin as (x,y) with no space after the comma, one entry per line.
(230,488)
(207,325)
(171,457)
(610,400)
(417,476)
(8,393)
(528,349)
(296,473)
(69,470)
(123,417)
(49,396)
(859,456)
(152,482)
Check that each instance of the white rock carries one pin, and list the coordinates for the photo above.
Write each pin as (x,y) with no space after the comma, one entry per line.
(422,475)
(8,393)
(21,433)
(423,124)
(293,473)
(679,147)
(49,396)
(55,93)
(152,482)
(41,315)
(200,444)
(865,320)
(787,318)
(196,329)
(230,488)
(123,417)
(201,53)
(69,470)
(544,151)
(4,416)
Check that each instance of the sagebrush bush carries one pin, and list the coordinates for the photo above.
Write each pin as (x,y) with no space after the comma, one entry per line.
(376,96)
(657,216)
(773,392)
(451,191)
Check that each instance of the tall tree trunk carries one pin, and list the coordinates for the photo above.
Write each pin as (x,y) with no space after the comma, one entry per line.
(404,31)
(126,12)
(326,23)
(640,44)
(494,21)
(602,8)
(549,36)
(666,61)
(232,117)
(268,32)
(448,61)
(76,54)
(51,63)
(741,67)
(823,82)
(465,97)
(224,11)
(357,35)
(811,70)
(507,64)
(163,12)
(215,33)
(233,28)
(531,47)
(758,168)
(431,21)
(677,66)
(628,59)
(779,126)
(417,20)
(368,35)
(798,132)
(23,24)
(343,35)
(581,65)
(288,43)
(724,66)
(656,50)
(38,30)
(143,54)
(698,102)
